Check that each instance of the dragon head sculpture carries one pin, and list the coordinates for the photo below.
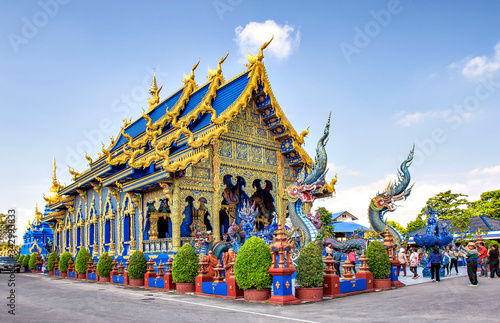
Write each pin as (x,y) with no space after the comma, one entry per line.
(304,186)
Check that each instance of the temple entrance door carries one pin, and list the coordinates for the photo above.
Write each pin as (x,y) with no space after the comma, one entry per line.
(163,227)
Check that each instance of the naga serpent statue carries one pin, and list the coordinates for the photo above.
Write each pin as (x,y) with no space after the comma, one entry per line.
(302,190)
(385,202)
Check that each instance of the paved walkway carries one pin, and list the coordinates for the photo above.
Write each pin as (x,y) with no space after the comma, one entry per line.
(409,281)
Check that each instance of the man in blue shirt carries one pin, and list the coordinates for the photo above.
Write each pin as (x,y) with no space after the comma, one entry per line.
(337,256)
(435,258)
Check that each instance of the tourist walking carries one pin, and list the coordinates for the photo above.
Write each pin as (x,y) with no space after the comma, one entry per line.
(471,254)
(483,259)
(414,263)
(493,254)
(446,260)
(352,258)
(337,256)
(402,261)
(435,259)
(454,254)
(462,252)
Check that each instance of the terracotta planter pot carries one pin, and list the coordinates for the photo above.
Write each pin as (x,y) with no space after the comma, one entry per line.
(309,294)
(51,273)
(136,282)
(81,276)
(183,288)
(104,279)
(64,274)
(382,283)
(256,295)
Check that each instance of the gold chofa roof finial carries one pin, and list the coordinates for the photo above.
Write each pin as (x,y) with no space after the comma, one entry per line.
(155,92)
(190,78)
(252,59)
(218,71)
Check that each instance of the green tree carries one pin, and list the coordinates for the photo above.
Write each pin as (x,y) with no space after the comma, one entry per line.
(397,226)
(488,205)
(416,224)
(4,227)
(327,222)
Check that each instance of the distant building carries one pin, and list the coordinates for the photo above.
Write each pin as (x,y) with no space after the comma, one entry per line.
(344,227)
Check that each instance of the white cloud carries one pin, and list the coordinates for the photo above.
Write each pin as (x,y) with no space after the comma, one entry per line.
(408,119)
(487,171)
(479,65)
(254,34)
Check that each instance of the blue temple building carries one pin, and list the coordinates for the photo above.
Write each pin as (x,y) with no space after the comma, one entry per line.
(38,236)
(180,173)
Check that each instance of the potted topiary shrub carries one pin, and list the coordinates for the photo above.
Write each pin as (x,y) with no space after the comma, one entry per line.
(51,262)
(82,262)
(251,270)
(137,268)
(26,263)
(104,267)
(185,269)
(380,265)
(310,273)
(21,259)
(32,262)
(63,264)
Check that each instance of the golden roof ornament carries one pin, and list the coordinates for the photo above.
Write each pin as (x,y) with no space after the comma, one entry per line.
(38,216)
(155,92)
(218,71)
(53,196)
(253,59)
(190,78)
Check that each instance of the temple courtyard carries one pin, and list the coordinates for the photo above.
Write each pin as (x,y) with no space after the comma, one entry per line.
(40,298)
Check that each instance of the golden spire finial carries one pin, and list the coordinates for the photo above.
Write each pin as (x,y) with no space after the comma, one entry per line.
(54,178)
(155,92)
(218,71)
(191,76)
(153,87)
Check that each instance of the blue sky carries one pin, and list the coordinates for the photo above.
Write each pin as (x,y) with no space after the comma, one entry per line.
(393,73)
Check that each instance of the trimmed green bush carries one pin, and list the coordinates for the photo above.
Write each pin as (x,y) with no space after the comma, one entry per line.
(26,262)
(52,261)
(82,259)
(32,261)
(21,259)
(310,266)
(185,266)
(63,263)
(138,265)
(379,262)
(252,263)
(105,265)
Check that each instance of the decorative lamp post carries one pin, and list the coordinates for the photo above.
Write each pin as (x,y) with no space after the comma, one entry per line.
(282,270)
(391,252)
